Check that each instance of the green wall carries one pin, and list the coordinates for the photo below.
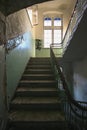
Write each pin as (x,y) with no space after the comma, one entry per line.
(16,61)
(2,82)
(45,52)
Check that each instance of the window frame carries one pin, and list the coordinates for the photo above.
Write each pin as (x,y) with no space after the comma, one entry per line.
(53,27)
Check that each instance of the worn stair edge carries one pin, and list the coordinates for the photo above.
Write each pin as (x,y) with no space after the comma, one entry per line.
(36,106)
(36,93)
(37,77)
(56,125)
(39,66)
(37,83)
(30,115)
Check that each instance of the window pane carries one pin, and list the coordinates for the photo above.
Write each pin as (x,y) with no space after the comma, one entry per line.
(47,22)
(57,22)
(47,38)
(57,36)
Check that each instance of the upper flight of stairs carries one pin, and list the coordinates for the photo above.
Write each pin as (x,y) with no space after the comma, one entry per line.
(36,104)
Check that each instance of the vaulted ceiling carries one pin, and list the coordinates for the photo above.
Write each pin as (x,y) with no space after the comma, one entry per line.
(10,6)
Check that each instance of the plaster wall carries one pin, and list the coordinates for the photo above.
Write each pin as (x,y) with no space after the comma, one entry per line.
(16,59)
(80,80)
(67,68)
(2,71)
(2,82)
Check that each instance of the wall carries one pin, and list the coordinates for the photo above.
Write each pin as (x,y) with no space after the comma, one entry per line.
(2,72)
(45,52)
(18,24)
(80,80)
(76,53)
(67,67)
(2,75)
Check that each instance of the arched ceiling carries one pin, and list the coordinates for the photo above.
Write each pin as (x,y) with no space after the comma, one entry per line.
(61,5)
(10,6)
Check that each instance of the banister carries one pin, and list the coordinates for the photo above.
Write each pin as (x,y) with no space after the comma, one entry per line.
(65,86)
(75,18)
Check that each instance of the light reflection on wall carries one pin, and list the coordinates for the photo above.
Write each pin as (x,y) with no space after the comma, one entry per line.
(33,14)
(11,44)
(80,87)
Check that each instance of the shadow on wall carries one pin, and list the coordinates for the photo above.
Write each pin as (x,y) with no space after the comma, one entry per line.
(80,80)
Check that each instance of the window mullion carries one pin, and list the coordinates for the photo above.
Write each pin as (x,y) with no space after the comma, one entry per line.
(52,31)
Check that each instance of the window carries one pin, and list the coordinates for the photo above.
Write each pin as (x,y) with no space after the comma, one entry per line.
(57,36)
(47,22)
(29,10)
(57,22)
(47,38)
(33,14)
(52,31)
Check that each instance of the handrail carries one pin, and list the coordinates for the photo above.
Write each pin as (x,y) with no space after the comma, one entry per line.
(65,86)
(76,16)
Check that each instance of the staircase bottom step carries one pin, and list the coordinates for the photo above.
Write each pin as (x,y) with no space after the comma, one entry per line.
(38,125)
(37,116)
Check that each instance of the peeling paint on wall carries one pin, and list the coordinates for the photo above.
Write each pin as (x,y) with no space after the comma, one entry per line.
(18,33)
(17,24)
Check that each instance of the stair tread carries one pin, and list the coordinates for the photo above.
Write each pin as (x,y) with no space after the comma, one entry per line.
(42,115)
(24,89)
(41,100)
(39,62)
(37,81)
(38,75)
(39,65)
(29,69)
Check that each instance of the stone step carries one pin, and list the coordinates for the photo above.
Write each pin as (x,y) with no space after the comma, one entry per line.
(36,116)
(45,89)
(47,125)
(38,71)
(39,66)
(36,93)
(39,63)
(39,59)
(36,106)
(28,100)
(37,77)
(33,103)
(37,83)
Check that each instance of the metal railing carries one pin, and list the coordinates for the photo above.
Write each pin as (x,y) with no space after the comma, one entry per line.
(75,111)
(2,124)
(58,50)
(77,14)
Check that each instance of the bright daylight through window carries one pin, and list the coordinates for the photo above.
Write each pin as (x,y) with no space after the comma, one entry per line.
(52,31)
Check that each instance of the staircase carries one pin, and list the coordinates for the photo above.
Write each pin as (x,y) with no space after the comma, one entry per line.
(36,104)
